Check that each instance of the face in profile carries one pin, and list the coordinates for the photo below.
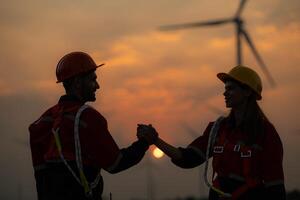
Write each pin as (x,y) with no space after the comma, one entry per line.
(235,95)
(89,86)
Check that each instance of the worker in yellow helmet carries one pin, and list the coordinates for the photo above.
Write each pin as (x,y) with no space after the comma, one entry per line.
(246,149)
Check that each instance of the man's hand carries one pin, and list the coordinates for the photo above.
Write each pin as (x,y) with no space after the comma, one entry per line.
(147,133)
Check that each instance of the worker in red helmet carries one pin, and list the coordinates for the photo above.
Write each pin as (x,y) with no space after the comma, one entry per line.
(70,143)
(246,149)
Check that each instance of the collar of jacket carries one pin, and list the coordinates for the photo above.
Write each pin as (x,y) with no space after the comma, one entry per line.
(69,98)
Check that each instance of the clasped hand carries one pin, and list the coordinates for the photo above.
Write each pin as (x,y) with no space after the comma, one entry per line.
(147,133)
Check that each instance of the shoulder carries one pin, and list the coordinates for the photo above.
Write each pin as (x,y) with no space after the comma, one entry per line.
(221,122)
(209,125)
(271,135)
(92,115)
(92,112)
(270,130)
(46,115)
(202,141)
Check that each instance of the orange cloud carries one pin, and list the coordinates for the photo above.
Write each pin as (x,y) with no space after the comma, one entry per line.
(224,43)
(5,89)
(271,38)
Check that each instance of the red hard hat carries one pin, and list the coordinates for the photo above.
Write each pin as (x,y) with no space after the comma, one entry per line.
(73,64)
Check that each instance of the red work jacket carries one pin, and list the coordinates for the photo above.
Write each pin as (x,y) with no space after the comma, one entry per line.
(266,154)
(98,148)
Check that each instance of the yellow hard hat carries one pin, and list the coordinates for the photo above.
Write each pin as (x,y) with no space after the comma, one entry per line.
(244,75)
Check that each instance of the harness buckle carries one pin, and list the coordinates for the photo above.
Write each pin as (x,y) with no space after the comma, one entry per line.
(218,149)
(246,154)
(237,148)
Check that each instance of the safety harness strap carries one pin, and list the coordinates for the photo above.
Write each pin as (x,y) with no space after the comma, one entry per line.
(82,180)
(211,140)
(59,148)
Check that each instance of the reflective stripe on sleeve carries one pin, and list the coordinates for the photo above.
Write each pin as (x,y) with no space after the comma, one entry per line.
(273,183)
(236,177)
(39,167)
(116,163)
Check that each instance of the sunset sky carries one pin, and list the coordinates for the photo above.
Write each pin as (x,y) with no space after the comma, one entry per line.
(167,79)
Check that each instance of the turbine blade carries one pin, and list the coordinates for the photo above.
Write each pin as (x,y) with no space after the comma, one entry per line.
(241,7)
(194,25)
(239,46)
(215,109)
(258,58)
(190,130)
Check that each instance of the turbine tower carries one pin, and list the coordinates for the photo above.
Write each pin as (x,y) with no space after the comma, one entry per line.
(150,179)
(240,34)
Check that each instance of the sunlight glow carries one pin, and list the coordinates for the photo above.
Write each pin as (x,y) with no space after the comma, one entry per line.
(157,153)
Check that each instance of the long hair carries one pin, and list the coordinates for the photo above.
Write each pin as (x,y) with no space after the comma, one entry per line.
(253,120)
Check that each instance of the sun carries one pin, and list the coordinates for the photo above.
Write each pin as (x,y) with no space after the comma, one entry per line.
(157,153)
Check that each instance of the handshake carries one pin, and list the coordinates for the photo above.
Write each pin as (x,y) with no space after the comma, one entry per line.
(147,133)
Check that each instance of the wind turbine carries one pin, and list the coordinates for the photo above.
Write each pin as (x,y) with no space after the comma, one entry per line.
(149,167)
(240,34)
(150,179)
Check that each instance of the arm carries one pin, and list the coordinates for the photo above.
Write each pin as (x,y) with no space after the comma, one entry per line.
(129,156)
(171,151)
(182,157)
(101,149)
(191,156)
(147,132)
(133,154)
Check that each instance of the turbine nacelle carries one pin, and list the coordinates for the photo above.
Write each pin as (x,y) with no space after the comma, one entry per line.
(238,20)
